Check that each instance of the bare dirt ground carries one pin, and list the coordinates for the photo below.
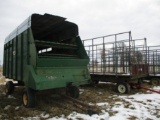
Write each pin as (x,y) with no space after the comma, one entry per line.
(50,104)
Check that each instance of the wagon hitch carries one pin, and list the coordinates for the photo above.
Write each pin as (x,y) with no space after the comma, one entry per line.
(139,86)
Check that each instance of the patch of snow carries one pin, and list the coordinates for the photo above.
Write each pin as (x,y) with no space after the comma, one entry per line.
(91,103)
(57,118)
(7,107)
(142,106)
(77,116)
(100,82)
(102,104)
(44,115)
(81,91)
(138,106)
(17,108)
(119,103)
(157,88)
(11,97)
(114,95)
(30,118)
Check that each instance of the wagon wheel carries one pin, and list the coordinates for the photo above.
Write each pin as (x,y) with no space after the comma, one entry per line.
(9,89)
(29,98)
(72,91)
(123,87)
(155,81)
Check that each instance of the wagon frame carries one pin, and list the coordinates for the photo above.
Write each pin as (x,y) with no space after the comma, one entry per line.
(117,60)
(45,52)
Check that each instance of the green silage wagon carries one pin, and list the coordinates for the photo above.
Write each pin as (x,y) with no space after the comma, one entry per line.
(45,52)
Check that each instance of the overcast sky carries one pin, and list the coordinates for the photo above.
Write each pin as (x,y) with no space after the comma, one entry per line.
(94,17)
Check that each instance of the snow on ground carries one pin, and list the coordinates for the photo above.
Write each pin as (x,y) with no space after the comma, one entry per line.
(137,106)
(77,116)
(141,106)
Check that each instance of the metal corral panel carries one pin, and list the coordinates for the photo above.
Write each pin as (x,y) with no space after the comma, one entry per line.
(45,44)
(117,55)
(139,70)
(154,60)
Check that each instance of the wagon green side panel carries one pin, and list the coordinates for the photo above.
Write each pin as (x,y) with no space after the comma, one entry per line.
(51,62)
(29,54)
(32,49)
(21,57)
(7,61)
(4,60)
(25,53)
(10,59)
(14,58)
(19,61)
(81,50)
(48,78)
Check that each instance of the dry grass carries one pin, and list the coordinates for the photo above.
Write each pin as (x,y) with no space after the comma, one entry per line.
(2,79)
(49,102)
(1,69)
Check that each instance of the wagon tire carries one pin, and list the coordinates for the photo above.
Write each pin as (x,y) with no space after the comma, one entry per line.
(123,87)
(155,81)
(9,88)
(72,91)
(29,98)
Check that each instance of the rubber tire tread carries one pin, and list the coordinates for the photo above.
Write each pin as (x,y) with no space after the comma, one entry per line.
(31,98)
(126,86)
(157,80)
(10,87)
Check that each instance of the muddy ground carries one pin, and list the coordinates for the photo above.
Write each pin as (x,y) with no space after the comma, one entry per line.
(50,103)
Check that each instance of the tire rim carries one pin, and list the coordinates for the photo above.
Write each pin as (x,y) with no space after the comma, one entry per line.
(25,99)
(121,88)
(155,82)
